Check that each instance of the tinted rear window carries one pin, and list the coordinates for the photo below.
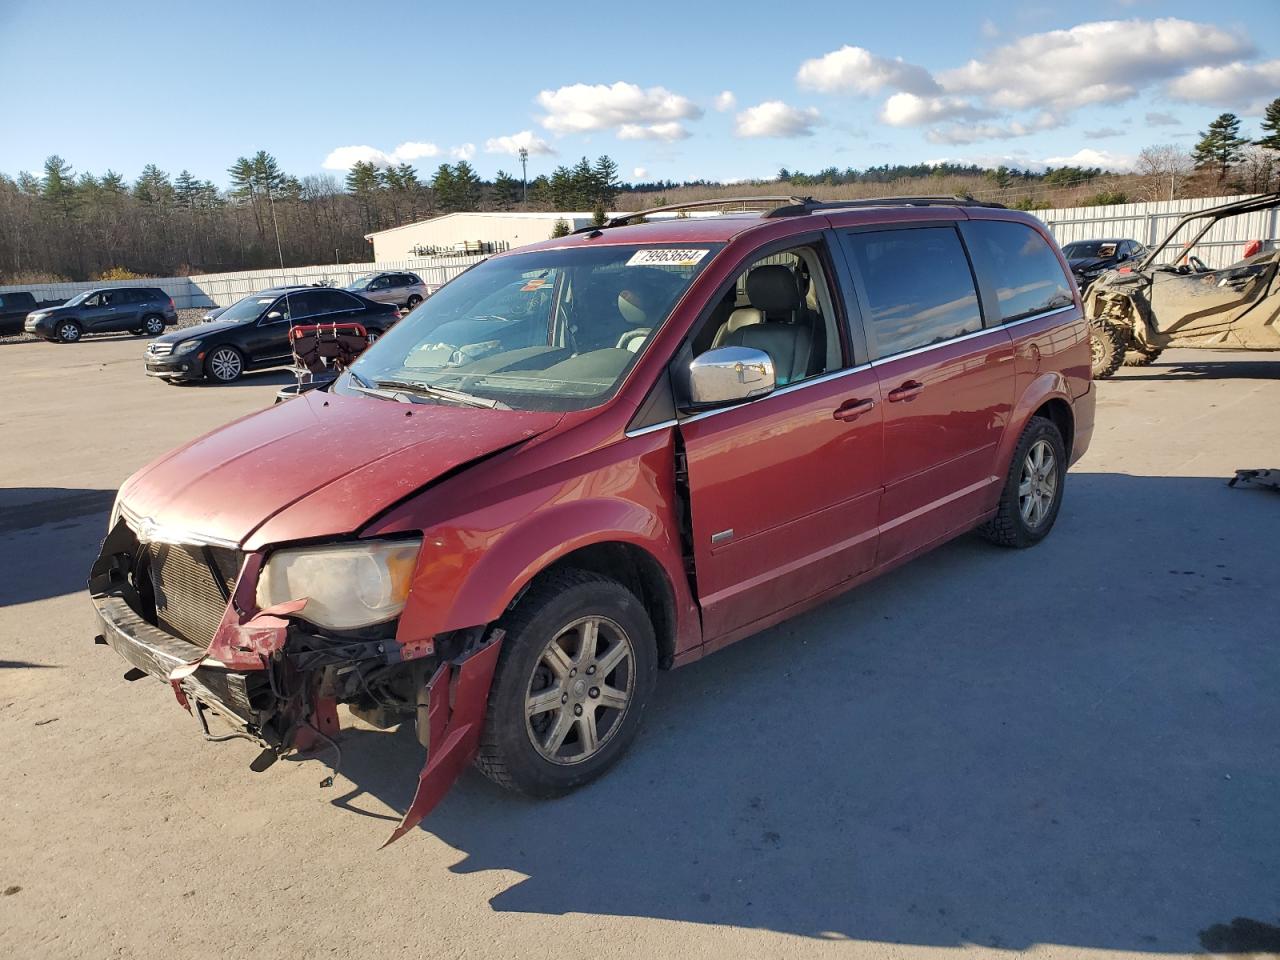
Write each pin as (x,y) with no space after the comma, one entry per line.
(1020,266)
(918,286)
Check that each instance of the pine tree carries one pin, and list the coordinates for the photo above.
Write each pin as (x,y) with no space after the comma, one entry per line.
(585,188)
(467,186)
(186,189)
(506,190)
(1221,146)
(445,186)
(244,188)
(364,183)
(1270,126)
(606,181)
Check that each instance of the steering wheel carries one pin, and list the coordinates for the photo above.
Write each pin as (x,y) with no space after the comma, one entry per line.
(1197,265)
(632,339)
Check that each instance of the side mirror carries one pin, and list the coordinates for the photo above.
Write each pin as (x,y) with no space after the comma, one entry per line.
(275,315)
(729,375)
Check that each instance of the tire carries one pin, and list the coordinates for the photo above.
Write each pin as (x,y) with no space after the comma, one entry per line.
(224,364)
(1107,344)
(1141,357)
(412,302)
(152,325)
(1017,522)
(373,336)
(68,331)
(557,611)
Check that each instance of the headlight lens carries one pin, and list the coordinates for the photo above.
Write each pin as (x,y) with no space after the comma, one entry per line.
(346,585)
(187,346)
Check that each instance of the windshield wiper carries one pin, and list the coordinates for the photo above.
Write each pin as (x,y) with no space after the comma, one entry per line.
(442,393)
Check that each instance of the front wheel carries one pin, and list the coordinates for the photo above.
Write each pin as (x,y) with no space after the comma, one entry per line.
(413,301)
(68,331)
(576,672)
(224,365)
(1032,493)
(153,326)
(1107,345)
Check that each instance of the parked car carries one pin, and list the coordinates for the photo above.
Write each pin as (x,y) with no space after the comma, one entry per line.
(139,310)
(1090,259)
(1172,298)
(727,420)
(14,307)
(403,289)
(253,333)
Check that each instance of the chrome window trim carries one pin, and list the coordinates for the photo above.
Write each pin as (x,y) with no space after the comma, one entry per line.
(148,531)
(1038,316)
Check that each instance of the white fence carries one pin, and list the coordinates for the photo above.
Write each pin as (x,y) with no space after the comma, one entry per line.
(1145,222)
(1149,222)
(223,289)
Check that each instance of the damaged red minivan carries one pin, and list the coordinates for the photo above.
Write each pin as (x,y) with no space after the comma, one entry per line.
(599,456)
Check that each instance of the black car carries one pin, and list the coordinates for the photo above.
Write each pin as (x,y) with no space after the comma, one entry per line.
(253,333)
(139,310)
(1089,259)
(14,307)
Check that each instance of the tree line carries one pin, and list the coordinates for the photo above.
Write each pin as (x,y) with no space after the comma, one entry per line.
(62,224)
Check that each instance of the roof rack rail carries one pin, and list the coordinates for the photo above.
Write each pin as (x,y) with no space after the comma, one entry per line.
(807,205)
(622,221)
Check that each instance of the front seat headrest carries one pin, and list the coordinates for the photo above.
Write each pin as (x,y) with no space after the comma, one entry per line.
(772,289)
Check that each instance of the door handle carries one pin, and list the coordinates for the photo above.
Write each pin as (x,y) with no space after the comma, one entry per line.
(906,392)
(853,409)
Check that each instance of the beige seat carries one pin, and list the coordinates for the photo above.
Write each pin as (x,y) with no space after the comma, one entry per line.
(742,317)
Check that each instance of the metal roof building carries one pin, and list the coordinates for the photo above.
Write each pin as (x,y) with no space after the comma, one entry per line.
(469,233)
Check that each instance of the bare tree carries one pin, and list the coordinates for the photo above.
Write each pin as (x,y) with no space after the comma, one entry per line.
(1259,169)
(1164,169)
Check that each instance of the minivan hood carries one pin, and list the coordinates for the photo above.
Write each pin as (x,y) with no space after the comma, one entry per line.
(318,465)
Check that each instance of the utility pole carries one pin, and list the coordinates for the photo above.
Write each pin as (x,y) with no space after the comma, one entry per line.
(524,174)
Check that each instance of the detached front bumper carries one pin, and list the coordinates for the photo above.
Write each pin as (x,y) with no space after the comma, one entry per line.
(237,696)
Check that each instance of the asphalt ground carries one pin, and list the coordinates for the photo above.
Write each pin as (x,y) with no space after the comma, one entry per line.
(1072,750)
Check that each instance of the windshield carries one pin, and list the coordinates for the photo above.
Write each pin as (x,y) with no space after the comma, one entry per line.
(1090,248)
(548,330)
(360,283)
(248,309)
(79,298)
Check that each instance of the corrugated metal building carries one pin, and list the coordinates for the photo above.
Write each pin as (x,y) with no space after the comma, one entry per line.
(469,233)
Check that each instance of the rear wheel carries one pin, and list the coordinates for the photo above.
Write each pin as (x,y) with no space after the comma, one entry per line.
(1107,345)
(224,364)
(576,671)
(1033,488)
(1141,356)
(68,331)
(413,301)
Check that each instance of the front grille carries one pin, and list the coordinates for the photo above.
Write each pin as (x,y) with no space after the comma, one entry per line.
(158,349)
(192,585)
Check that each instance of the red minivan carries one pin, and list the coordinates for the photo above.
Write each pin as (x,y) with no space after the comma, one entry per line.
(588,459)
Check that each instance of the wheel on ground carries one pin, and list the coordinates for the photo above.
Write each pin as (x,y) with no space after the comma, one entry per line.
(373,336)
(1107,345)
(412,302)
(1141,356)
(1032,493)
(224,364)
(153,325)
(68,331)
(575,673)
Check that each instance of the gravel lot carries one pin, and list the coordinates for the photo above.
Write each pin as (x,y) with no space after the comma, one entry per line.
(1070,750)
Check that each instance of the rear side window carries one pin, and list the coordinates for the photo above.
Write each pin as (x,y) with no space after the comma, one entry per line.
(1020,266)
(918,287)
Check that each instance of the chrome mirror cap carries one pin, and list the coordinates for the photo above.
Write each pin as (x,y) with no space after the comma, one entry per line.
(729,375)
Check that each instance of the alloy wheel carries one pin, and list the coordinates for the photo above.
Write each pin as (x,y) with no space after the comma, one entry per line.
(1038,485)
(69,333)
(153,326)
(225,364)
(580,690)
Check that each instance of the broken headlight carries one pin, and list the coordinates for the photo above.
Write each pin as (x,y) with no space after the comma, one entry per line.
(346,585)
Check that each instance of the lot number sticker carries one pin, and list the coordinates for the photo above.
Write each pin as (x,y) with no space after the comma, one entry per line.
(663,257)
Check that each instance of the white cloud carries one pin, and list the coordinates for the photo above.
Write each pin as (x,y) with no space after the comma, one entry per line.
(725,100)
(1102,133)
(1099,62)
(512,145)
(856,70)
(582,107)
(959,133)
(773,118)
(1089,157)
(1162,120)
(344,158)
(464,152)
(668,131)
(1246,86)
(639,173)
(909,110)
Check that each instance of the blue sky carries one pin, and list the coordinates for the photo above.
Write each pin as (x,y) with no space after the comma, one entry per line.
(715,90)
